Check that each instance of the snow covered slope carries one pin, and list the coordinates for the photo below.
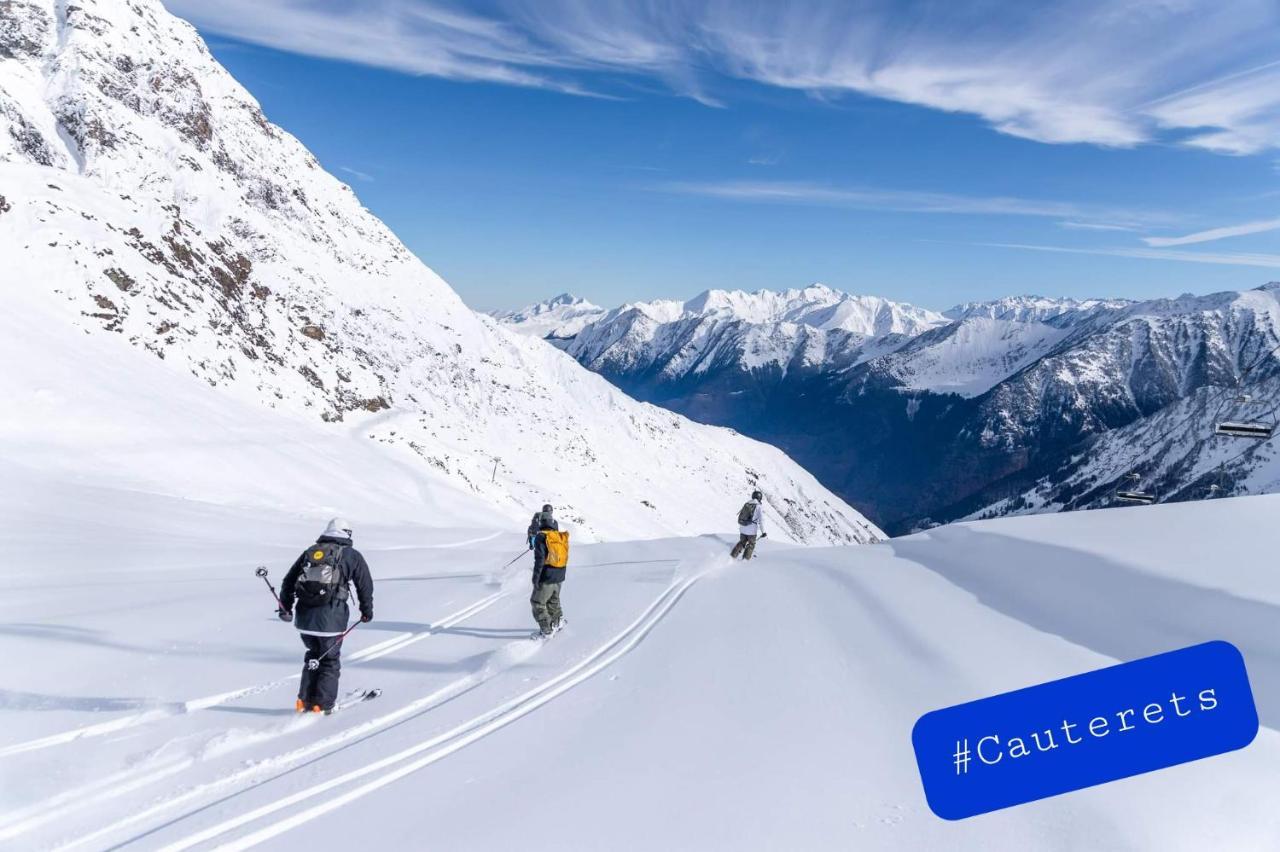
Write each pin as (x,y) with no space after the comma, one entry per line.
(1172,455)
(970,356)
(692,703)
(161,234)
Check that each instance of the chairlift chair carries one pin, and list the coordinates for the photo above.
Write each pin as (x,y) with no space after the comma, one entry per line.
(1134,494)
(1259,430)
(1245,429)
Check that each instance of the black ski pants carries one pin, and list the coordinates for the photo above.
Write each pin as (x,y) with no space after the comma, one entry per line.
(320,686)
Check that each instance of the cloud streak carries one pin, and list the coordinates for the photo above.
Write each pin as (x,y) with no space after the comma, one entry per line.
(1266,261)
(1078,215)
(356,173)
(1107,72)
(1216,233)
(1095,226)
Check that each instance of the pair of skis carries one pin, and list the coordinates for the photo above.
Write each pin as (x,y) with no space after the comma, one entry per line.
(539,636)
(354,697)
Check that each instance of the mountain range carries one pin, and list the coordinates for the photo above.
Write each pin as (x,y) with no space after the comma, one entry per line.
(917,417)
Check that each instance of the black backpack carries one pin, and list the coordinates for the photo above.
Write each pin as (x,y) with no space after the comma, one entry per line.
(321,579)
(747,513)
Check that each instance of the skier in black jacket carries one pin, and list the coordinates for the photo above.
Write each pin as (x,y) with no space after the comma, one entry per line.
(320,582)
(548,573)
(547,516)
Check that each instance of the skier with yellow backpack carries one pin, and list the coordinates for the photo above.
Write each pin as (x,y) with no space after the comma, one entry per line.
(550,558)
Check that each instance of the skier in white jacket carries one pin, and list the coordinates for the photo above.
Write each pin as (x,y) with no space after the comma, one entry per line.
(750,527)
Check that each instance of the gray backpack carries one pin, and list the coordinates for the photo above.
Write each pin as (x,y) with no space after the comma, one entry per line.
(321,579)
(747,514)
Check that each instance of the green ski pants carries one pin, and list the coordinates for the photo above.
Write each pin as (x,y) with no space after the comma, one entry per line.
(546,605)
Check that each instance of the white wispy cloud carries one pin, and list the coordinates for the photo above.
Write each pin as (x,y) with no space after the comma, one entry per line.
(1108,72)
(1216,233)
(911,201)
(356,173)
(1095,226)
(1267,261)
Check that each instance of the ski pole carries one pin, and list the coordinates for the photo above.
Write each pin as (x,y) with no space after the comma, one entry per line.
(513,561)
(312,665)
(262,572)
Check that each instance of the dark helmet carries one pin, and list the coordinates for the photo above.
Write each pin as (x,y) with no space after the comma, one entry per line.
(547,507)
(756,495)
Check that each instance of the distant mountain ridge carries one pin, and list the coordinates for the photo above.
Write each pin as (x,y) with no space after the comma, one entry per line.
(558,318)
(1032,308)
(987,408)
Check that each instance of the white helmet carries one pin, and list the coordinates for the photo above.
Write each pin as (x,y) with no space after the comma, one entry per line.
(338,528)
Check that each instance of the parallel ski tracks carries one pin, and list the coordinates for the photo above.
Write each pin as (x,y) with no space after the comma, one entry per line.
(373,776)
(195,705)
(377,774)
(23,820)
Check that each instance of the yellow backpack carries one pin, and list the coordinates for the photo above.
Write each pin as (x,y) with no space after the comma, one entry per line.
(557,548)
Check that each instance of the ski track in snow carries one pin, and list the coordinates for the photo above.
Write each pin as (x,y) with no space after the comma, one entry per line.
(195,705)
(438,747)
(447,545)
(130,780)
(19,822)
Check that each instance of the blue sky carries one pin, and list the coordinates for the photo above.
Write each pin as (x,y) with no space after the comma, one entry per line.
(927,152)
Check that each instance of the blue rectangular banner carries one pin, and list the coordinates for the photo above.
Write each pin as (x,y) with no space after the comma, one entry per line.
(1085,730)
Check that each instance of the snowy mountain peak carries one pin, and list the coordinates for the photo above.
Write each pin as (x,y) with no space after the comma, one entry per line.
(817,306)
(761,305)
(557,318)
(557,304)
(808,327)
(568,299)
